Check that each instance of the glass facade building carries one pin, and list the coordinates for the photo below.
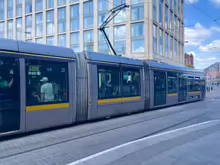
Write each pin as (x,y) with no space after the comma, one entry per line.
(152,30)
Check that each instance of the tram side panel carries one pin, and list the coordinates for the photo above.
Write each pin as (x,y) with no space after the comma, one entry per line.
(82,88)
(56,111)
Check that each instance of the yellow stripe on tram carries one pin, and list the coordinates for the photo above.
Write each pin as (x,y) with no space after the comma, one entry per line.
(131,99)
(194,93)
(118,100)
(109,101)
(173,94)
(47,107)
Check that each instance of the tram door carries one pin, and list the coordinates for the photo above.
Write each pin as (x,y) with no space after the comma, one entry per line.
(183,83)
(159,88)
(9,94)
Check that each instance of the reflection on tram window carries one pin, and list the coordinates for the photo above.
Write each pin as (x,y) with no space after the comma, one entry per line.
(9,94)
(131,82)
(47,82)
(109,80)
(159,88)
(193,84)
(172,82)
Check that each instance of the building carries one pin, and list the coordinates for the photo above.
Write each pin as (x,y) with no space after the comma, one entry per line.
(213,73)
(189,60)
(149,29)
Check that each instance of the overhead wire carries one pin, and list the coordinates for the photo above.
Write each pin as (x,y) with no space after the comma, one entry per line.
(173,29)
(204,13)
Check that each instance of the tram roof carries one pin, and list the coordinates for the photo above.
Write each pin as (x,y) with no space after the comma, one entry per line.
(99,57)
(33,48)
(164,66)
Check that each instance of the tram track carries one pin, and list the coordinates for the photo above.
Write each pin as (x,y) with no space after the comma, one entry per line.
(120,127)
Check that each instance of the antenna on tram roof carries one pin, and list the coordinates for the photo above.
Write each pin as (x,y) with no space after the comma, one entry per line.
(112,13)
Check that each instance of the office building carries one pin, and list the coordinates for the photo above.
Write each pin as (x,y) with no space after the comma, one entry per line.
(148,29)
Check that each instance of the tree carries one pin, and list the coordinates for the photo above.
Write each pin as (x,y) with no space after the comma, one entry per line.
(189,66)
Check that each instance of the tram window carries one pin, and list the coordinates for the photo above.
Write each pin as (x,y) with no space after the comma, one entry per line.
(9,94)
(109,82)
(47,82)
(131,82)
(172,82)
(193,84)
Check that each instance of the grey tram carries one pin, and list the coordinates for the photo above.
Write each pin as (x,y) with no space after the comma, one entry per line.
(85,85)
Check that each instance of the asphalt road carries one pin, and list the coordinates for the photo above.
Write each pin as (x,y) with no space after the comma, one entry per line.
(63,146)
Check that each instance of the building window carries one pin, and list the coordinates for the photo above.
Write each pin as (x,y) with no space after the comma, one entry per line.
(161,42)
(42,76)
(171,21)
(171,47)
(2,9)
(28,6)
(103,10)
(61,20)
(155,39)
(39,40)
(89,40)
(172,82)
(62,40)
(50,22)
(61,2)
(28,26)
(19,8)
(74,1)
(88,14)
(120,39)
(137,10)
(178,51)
(171,3)
(161,12)
(175,41)
(74,11)
(39,5)
(75,41)
(19,29)
(10,8)
(178,29)
(155,10)
(166,44)
(179,2)
(39,25)
(109,82)
(50,4)
(175,6)
(138,37)
(2,29)
(175,26)
(121,17)
(10,29)
(50,40)
(166,16)
(103,46)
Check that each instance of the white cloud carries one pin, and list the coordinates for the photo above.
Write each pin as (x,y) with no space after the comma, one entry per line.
(198,34)
(213,47)
(202,63)
(215,2)
(191,1)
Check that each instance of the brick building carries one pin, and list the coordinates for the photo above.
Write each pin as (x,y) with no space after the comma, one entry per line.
(189,60)
(213,73)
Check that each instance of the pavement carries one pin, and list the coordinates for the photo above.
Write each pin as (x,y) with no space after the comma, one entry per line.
(185,134)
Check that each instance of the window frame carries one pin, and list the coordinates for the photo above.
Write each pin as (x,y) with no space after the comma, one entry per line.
(115,68)
(172,74)
(55,64)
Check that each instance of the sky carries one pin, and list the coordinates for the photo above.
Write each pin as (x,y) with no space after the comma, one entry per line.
(202,31)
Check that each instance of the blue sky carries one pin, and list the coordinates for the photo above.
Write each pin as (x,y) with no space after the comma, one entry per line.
(202,32)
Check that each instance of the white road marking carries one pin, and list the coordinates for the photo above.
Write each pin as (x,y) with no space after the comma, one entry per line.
(135,141)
